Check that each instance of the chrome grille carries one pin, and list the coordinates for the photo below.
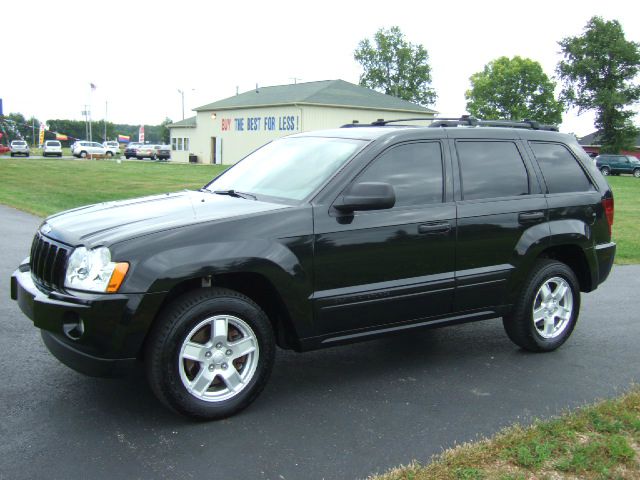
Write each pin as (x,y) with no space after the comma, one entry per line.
(48,262)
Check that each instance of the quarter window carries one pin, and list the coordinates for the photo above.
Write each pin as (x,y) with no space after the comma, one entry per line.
(491,170)
(414,170)
(560,169)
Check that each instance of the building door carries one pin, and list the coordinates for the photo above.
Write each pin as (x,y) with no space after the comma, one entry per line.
(216,150)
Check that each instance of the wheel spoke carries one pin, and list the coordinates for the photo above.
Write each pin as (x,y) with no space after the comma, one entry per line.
(201,383)
(560,292)
(232,378)
(194,351)
(538,314)
(219,330)
(243,347)
(564,312)
(545,291)
(549,324)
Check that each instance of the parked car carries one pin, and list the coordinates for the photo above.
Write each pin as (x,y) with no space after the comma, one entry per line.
(320,239)
(112,149)
(4,149)
(131,150)
(83,149)
(610,164)
(19,147)
(52,147)
(163,152)
(147,151)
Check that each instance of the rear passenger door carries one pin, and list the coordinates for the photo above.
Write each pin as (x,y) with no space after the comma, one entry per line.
(498,198)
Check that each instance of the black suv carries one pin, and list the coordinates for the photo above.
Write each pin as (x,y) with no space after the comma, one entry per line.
(610,164)
(319,239)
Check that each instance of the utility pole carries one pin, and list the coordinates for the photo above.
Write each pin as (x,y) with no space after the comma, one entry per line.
(106,107)
(33,126)
(181,92)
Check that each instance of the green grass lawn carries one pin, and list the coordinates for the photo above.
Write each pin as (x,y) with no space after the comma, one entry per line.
(43,187)
(47,186)
(596,442)
(626,222)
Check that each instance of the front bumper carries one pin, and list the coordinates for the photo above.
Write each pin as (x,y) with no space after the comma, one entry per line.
(98,335)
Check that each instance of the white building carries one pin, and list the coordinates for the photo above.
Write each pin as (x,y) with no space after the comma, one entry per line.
(227,130)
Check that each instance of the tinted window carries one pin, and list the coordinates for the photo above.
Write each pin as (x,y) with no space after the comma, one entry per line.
(560,169)
(414,170)
(491,169)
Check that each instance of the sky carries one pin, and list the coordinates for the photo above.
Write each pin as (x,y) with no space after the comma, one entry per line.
(138,54)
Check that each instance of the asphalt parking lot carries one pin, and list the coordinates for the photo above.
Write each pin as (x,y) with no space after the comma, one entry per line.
(344,412)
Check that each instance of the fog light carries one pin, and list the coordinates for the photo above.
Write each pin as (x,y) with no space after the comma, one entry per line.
(73,327)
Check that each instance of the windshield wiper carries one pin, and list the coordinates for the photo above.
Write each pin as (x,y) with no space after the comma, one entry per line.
(235,193)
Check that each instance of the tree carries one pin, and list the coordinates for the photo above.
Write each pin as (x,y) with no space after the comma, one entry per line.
(515,88)
(396,67)
(165,133)
(598,71)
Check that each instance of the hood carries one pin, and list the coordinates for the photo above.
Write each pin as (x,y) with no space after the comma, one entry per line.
(111,222)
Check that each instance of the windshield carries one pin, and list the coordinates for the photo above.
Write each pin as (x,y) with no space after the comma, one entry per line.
(290,168)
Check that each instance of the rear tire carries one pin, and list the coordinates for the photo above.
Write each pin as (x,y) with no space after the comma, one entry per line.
(195,355)
(543,316)
(109,154)
(636,173)
(605,171)
(83,154)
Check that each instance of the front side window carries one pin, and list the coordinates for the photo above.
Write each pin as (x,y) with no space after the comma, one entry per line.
(414,170)
(560,169)
(491,170)
(289,168)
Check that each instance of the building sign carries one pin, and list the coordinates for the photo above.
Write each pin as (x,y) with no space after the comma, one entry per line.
(282,123)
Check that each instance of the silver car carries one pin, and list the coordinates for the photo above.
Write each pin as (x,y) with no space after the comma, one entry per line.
(52,147)
(19,147)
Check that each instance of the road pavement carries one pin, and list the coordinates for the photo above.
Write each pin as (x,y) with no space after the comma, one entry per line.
(344,412)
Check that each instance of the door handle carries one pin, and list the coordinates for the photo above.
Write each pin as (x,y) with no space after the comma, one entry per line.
(530,217)
(431,228)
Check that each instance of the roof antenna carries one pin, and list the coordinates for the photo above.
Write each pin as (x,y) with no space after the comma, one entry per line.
(237,89)
(257,91)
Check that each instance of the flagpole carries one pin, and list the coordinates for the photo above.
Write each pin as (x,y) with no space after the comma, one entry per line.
(106,107)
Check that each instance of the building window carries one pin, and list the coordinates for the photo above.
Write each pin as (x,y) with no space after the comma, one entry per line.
(180,143)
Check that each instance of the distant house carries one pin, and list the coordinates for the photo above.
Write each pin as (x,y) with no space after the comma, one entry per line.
(227,130)
(591,144)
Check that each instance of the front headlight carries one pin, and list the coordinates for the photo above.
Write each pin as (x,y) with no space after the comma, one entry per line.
(93,270)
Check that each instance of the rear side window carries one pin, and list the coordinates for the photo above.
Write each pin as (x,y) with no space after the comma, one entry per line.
(491,170)
(560,169)
(414,170)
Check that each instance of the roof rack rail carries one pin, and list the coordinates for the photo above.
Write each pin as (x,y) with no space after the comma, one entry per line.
(464,120)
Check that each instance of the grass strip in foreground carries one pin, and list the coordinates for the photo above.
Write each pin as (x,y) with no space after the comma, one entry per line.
(595,442)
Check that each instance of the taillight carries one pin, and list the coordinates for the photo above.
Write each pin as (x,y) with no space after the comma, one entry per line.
(607,204)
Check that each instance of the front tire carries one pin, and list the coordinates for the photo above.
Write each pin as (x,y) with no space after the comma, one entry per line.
(109,154)
(210,353)
(636,173)
(547,309)
(83,154)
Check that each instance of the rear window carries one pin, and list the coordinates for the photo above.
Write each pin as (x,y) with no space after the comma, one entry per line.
(491,169)
(52,143)
(19,143)
(560,169)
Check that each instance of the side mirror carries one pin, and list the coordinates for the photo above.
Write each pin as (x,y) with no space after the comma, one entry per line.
(366,196)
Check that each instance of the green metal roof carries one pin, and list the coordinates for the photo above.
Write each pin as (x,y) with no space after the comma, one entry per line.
(187,122)
(327,92)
